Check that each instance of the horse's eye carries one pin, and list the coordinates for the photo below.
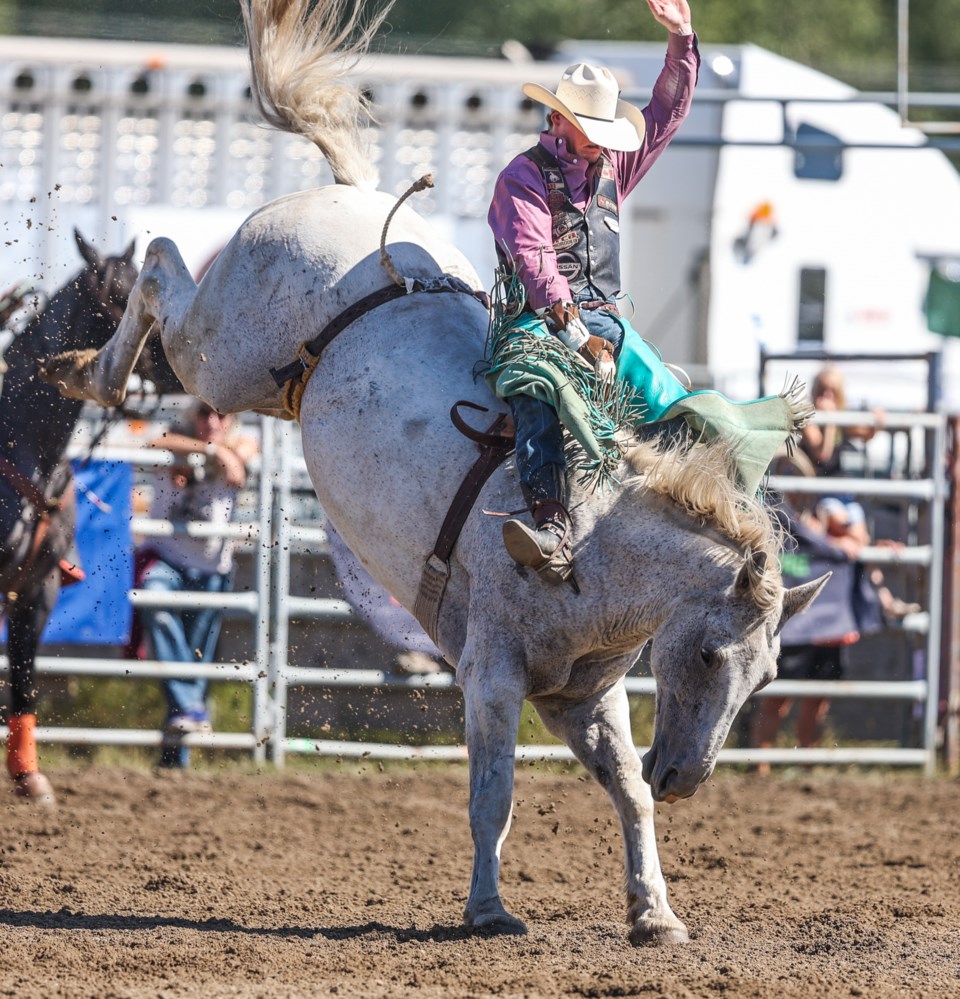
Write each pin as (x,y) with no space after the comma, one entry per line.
(707,655)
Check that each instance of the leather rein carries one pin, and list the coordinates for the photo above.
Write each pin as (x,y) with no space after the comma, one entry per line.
(43,511)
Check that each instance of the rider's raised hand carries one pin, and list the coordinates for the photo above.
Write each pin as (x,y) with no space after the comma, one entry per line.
(674,15)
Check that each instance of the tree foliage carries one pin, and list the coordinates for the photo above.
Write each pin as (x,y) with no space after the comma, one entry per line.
(855,40)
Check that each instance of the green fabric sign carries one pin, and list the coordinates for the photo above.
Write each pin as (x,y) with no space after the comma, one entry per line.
(943,304)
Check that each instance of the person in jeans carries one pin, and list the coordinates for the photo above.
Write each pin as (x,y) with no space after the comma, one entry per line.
(555,217)
(202,489)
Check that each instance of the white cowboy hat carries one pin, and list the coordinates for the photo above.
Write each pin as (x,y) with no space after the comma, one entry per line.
(589,97)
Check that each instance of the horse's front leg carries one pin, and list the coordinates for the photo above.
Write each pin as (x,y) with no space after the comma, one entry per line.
(163,293)
(493,695)
(598,732)
(26,619)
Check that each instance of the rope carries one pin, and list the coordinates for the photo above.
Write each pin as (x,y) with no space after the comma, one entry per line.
(294,382)
(418,185)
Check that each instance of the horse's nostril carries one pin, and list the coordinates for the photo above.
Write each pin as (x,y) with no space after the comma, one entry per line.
(668,779)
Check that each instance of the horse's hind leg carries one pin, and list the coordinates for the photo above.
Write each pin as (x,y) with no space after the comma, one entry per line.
(27,617)
(493,698)
(598,732)
(163,293)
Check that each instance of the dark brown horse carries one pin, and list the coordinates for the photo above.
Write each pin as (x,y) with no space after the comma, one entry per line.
(37,502)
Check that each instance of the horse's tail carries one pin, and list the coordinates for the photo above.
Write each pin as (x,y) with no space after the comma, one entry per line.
(298,60)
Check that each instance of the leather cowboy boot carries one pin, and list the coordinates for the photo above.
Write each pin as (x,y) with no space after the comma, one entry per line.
(546,548)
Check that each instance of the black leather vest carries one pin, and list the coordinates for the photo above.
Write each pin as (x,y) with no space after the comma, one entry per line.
(587,242)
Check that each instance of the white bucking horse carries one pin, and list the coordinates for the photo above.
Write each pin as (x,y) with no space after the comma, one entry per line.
(674,554)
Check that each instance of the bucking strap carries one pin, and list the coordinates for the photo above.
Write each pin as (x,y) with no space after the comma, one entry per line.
(495,444)
(293,377)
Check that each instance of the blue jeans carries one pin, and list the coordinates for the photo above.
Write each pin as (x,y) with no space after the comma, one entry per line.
(539,431)
(182,636)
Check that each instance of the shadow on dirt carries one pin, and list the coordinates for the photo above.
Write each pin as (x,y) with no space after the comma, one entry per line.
(68,919)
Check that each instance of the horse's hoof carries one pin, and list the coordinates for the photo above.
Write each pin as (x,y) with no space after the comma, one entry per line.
(658,932)
(36,787)
(498,924)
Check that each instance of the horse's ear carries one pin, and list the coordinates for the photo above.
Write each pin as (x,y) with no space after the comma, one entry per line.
(128,253)
(88,253)
(798,598)
(751,572)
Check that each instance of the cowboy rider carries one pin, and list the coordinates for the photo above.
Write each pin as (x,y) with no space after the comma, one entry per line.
(555,220)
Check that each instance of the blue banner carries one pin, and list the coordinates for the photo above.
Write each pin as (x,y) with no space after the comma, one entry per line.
(97,610)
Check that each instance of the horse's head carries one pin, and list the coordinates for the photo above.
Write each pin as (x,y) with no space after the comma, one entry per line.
(106,283)
(709,655)
(718,636)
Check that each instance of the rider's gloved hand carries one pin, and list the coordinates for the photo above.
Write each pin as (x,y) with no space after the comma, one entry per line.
(594,348)
(599,352)
(563,319)
(559,314)
(606,368)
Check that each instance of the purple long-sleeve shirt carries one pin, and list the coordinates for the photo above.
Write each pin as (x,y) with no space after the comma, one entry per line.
(519,216)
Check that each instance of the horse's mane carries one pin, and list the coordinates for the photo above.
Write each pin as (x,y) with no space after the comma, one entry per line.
(700,480)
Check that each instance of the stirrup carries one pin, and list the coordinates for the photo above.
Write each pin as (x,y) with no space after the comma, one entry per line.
(523,546)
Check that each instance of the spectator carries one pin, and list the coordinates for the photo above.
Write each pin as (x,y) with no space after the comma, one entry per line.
(832,450)
(813,647)
(844,524)
(825,444)
(188,491)
(797,662)
(836,451)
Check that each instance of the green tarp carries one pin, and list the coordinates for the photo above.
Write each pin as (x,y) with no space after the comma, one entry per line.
(943,303)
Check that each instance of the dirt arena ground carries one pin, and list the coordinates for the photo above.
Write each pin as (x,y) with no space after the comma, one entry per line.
(352,884)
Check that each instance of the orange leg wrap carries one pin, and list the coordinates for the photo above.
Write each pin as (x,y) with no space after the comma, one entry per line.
(22,746)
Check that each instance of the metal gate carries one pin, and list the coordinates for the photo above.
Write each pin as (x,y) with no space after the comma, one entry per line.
(274,534)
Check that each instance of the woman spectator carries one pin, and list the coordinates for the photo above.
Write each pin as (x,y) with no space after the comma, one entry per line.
(191,491)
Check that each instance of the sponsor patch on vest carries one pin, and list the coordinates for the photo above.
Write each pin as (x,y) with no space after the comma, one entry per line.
(562,221)
(566,240)
(553,177)
(603,202)
(555,198)
(568,265)
(612,224)
(607,172)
